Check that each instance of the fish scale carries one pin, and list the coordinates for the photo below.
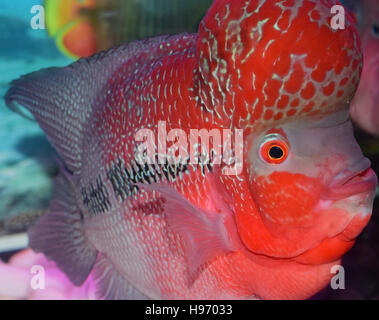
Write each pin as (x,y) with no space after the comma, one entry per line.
(112,129)
(192,231)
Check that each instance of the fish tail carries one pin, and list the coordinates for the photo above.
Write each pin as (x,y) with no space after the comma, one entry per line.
(59,234)
(60,100)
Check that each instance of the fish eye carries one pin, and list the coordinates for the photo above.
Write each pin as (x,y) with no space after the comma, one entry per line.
(274,151)
(375,30)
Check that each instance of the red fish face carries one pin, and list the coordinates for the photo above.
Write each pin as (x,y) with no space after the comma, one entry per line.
(307,178)
(311,184)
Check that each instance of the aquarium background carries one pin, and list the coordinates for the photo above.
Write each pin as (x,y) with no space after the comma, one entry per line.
(27,164)
(26,158)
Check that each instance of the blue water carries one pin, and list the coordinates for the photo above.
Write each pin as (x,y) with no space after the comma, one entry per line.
(26,159)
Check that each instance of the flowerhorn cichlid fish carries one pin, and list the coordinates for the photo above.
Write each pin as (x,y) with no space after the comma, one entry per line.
(269,220)
(365,105)
(82,28)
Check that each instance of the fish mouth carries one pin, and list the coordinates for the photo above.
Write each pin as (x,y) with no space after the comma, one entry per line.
(356,180)
(332,249)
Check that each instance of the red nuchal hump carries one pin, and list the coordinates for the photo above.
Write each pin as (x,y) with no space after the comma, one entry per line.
(265,61)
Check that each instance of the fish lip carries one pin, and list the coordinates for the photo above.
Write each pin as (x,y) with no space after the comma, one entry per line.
(359,178)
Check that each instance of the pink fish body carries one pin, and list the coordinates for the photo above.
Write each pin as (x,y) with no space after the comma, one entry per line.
(273,230)
(365,105)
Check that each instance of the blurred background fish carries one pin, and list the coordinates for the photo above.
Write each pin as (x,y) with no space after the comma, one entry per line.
(365,105)
(84,27)
(364,108)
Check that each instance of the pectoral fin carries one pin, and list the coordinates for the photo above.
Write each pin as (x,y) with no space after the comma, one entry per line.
(206,234)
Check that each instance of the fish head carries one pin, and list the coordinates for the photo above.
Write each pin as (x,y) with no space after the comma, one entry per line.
(309,180)
(281,71)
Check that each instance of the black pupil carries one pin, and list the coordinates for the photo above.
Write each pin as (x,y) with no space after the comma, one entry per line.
(276,152)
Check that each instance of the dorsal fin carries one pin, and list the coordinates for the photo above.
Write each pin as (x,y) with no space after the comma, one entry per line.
(62,99)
